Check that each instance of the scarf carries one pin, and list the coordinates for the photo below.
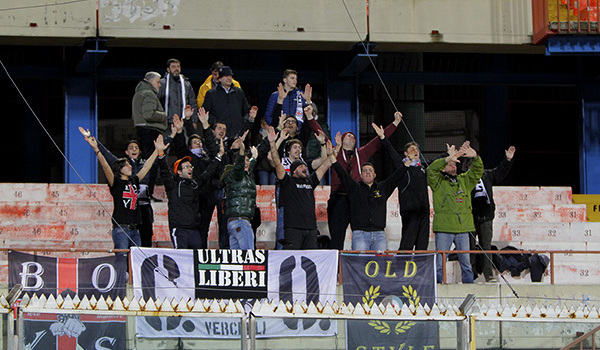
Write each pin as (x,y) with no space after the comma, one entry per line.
(181,80)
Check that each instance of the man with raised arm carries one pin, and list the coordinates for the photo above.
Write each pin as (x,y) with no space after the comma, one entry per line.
(124,188)
(240,190)
(453,218)
(368,201)
(288,99)
(183,190)
(351,159)
(298,198)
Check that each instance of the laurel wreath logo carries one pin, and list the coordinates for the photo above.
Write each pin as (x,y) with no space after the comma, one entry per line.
(383,327)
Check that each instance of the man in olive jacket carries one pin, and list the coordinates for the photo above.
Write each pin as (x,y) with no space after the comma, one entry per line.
(241,198)
(149,119)
(453,219)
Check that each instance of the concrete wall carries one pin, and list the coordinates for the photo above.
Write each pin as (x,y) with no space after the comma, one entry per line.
(267,23)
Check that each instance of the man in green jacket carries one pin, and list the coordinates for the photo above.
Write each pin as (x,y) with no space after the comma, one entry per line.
(149,119)
(453,219)
(241,198)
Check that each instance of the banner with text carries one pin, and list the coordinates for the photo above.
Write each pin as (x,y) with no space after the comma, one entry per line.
(104,276)
(396,279)
(73,331)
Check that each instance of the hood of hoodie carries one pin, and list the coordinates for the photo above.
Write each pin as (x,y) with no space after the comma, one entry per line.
(351,133)
(144,85)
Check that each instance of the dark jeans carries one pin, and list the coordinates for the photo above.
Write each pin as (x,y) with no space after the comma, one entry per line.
(147,137)
(415,230)
(145,227)
(338,219)
(186,238)
(479,262)
(300,239)
(222,219)
(205,219)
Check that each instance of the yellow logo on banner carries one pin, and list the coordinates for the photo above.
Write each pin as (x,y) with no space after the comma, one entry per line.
(383,327)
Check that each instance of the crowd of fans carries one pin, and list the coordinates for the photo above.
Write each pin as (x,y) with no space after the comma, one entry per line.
(218,167)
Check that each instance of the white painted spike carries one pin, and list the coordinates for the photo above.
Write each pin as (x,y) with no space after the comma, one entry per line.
(412,308)
(230,307)
(493,312)
(51,303)
(68,303)
(288,306)
(483,309)
(135,304)
(25,299)
(239,306)
(280,309)
(351,308)
(109,302)
(297,309)
(151,305)
(35,302)
(564,312)
(59,300)
(328,309)
(364,309)
(166,306)
(375,310)
(405,310)
(198,306)
(344,309)
(335,307)
(427,309)
(189,305)
(389,309)
(319,307)
(101,304)
(118,305)
(456,311)
(312,309)
(93,301)
(304,306)
(435,311)
(536,312)
(420,311)
(84,304)
(214,306)
(4,302)
(256,307)
(521,313)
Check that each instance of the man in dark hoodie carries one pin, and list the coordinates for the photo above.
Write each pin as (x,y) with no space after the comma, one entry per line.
(149,119)
(351,159)
(183,192)
(368,201)
(484,211)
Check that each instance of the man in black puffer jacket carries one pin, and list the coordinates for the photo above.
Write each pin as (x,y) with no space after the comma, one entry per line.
(183,191)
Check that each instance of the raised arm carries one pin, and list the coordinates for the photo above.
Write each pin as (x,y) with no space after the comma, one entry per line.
(499,173)
(370,148)
(110,177)
(387,145)
(159,148)
(320,172)
(276,162)
(321,138)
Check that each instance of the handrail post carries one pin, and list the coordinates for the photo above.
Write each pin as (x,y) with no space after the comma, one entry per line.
(552,268)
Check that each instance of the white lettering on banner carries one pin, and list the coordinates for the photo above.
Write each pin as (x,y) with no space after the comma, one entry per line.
(98,344)
(224,278)
(234,256)
(112,280)
(26,275)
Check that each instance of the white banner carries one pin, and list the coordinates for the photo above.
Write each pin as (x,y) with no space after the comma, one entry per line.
(163,273)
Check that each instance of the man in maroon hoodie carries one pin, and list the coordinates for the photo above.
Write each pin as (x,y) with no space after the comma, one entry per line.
(351,159)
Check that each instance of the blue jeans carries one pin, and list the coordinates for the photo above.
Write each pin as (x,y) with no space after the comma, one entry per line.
(121,237)
(443,241)
(241,235)
(363,240)
(266,177)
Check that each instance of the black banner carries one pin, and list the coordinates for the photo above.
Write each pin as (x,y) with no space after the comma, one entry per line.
(395,279)
(97,277)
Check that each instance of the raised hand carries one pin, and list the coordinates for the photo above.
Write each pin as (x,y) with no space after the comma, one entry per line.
(221,148)
(84,132)
(178,123)
(338,139)
(271,134)
(510,152)
(307,94)
(203,116)
(159,144)
(282,94)
(378,130)
(284,134)
(282,121)
(253,112)
(320,136)
(397,118)
(254,152)
(467,151)
(308,111)
(90,139)
(243,137)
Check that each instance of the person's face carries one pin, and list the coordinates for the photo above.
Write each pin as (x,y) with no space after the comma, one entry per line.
(291,125)
(174,69)
(126,170)
(349,142)
(133,151)
(226,80)
(215,75)
(195,143)
(295,151)
(290,82)
(220,131)
(368,175)
(247,164)
(301,171)
(155,83)
(186,170)
(450,168)
(412,152)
